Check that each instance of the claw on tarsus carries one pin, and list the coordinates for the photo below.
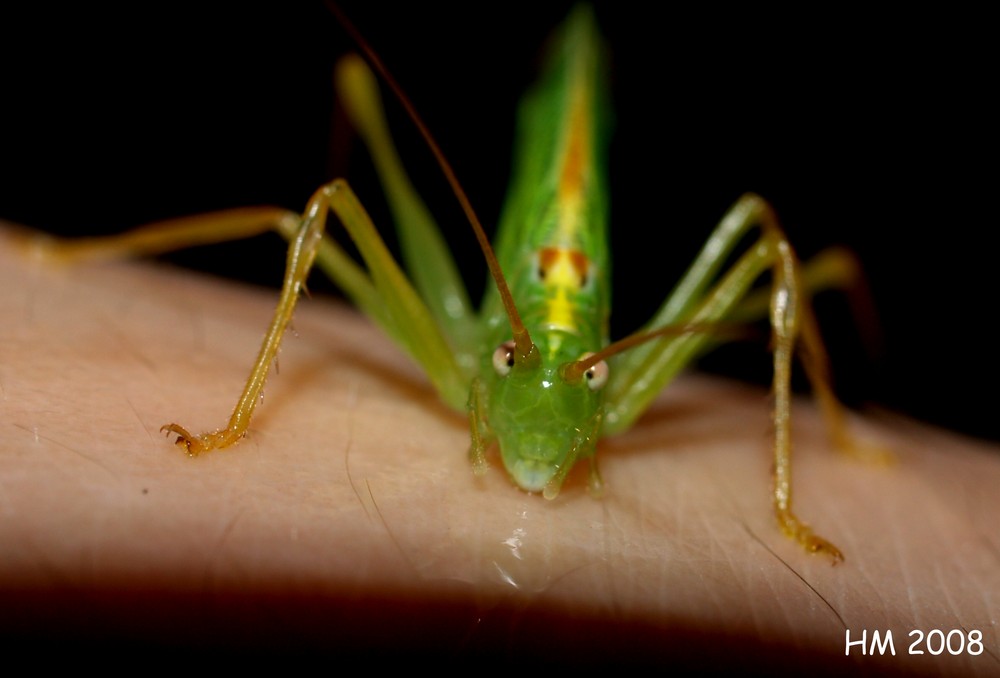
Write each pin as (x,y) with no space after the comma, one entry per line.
(190,443)
(803,534)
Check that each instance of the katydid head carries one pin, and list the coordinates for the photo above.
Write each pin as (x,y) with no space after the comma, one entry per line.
(545,416)
(546,409)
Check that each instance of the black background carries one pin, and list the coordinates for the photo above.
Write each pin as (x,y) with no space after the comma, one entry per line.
(865,130)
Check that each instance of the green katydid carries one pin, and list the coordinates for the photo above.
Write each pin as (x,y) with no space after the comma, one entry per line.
(533,368)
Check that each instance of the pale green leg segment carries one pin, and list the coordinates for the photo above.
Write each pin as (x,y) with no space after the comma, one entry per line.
(429,328)
(401,310)
(424,250)
(383,292)
(482,436)
(204,229)
(642,373)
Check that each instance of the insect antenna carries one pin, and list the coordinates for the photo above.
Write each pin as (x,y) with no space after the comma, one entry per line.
(574,371)
(522,340)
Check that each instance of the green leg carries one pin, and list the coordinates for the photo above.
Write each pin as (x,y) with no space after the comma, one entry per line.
(383,291)
(424,250)
(204,229)
(405,310)
(438,330)
(482,435)
(642,373)
(830,269)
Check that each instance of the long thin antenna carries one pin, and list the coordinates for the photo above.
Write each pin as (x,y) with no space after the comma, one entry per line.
(573,371)
(522,340)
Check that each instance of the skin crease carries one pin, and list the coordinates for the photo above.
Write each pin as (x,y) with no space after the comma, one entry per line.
(350,520)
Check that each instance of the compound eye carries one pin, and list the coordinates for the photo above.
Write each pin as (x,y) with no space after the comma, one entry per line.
(503,358)
(596,375)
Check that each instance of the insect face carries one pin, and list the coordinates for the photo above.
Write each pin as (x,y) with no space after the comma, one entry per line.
(543,422)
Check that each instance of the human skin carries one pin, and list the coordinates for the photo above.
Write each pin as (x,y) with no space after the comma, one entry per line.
(349,521)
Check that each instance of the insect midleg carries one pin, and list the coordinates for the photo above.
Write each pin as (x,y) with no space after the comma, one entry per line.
(643,373)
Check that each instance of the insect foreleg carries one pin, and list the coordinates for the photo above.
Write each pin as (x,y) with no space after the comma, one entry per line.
(407,317)
(834,268)
(641,373)
(650,367)
(482,436)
